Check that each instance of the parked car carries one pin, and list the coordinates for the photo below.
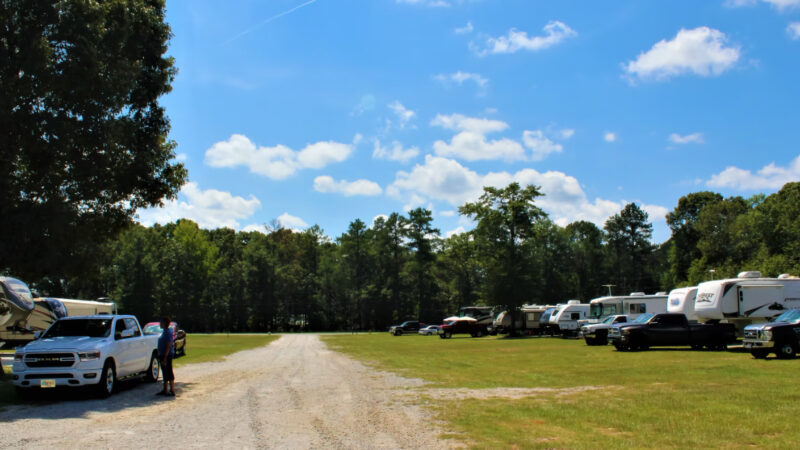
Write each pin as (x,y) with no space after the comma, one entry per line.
(781,337)
(88,350)
(180,335)
(464,325)
(409,326)
(429,330)
(670,330)
(597,333)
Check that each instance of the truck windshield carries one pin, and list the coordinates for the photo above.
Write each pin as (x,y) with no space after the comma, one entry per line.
(609,319)
(643,318)
(792,315)
(80,327)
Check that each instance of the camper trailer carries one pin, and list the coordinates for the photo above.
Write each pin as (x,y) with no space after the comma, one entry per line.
(483,314)
(681,301)
(632,305)
(21,315)
(565,319)
(748,298)
(527,320)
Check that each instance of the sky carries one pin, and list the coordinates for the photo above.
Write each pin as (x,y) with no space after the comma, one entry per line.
(304,112)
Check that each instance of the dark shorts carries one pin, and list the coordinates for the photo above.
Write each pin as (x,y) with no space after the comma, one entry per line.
(166,369)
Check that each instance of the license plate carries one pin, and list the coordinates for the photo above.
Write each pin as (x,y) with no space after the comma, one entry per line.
(48,383)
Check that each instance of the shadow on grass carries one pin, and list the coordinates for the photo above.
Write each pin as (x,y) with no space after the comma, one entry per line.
(68,403)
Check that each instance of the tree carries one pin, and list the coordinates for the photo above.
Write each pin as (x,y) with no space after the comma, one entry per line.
(84,139)
(419,232)
(682,221)
(506,219)
(628,235)
(587,258)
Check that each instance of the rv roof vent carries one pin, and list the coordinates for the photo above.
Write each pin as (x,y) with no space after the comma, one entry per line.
(751,274)
(785,276)
(660,293)
(637,294)
(573,302)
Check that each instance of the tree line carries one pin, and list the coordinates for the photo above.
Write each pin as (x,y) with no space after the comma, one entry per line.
(400,267)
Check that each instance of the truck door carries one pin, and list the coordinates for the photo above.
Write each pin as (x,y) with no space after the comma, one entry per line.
(140,355)
(760,300)
(668,330)
(123,348)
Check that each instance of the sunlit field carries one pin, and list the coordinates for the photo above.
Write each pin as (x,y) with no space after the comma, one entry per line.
(601,398)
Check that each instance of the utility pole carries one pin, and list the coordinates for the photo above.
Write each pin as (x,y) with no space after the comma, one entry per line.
(609,286)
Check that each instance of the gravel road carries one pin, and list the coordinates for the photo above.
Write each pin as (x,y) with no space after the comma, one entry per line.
(293,393)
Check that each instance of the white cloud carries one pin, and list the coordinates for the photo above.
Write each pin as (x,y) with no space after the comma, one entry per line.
(768,177)
(700,51)
(260,227)
(276,162)
(462,77)
(609,136)
(395,153)
(287,220)
(327,184)
(566,133)
(451,233)
(448,213)
(777,4)
(472,146)
(446,180)
(460,122)
(382,216)
(208,208)
(794,30)
(694,138)
(465,29)
(514,41)
(539,144)
(403,114)
(181,157)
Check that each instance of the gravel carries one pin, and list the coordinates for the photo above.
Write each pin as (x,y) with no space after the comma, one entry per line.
(293,393)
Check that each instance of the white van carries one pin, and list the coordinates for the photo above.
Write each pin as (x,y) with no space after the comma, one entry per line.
(565,319)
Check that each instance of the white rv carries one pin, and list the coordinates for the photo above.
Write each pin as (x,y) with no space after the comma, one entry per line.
(565,318)
(21,315)
(681,301)
(748,298)
(632,305)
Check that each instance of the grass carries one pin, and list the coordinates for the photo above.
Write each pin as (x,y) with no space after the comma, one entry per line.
(199,348)
(662,398)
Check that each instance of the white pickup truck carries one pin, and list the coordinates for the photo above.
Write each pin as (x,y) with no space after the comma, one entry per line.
(87,350)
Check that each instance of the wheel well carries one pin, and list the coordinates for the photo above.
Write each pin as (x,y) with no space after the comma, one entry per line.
(110,360)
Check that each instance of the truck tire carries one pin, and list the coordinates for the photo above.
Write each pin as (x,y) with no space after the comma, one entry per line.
(620,347)
(589,341)
(398,332)
(759,353)
(448,335)
(785,350)
(479,333)
(152,370)
(441,336)
(108,380)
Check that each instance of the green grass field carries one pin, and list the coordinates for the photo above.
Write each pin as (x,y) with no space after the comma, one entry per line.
(662,398)
(199,348)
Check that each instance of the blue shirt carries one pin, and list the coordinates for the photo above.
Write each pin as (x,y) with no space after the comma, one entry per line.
(164,340)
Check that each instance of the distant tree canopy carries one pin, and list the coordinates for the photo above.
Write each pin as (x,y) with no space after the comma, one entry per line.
(84,139)
(399,268)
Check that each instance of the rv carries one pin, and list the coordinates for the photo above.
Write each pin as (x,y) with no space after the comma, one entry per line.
(748,298)
(681,301)
(527,320)
(21,315)
(483,314)
(631,305)
(565,319)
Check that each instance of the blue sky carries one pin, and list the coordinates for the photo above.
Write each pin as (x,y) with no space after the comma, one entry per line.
(321,112)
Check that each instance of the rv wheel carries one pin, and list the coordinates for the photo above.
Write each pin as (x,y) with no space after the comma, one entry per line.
(786,350)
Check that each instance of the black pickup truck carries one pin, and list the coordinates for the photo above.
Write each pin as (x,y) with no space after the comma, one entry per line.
(409,326)
(781,336)
(671,330)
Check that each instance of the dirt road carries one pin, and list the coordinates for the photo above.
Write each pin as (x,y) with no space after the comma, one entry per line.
(294,393)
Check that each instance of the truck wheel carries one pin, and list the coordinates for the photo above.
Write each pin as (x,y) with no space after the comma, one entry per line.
(108,380)
(786,350)
(152,369)
(620,347)
(479,333)
(441,336)
(398,332)
(589,341)
(448,334)
(759,354)
(601,341)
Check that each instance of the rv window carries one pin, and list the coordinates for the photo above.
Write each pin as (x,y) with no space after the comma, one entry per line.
(638,308)
(531,317)
(575,316)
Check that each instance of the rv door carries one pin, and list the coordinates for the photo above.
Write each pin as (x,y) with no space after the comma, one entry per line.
(760,300)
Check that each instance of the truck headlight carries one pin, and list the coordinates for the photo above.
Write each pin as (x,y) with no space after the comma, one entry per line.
(766,335)
(626,331)
(89,356)
(18,357)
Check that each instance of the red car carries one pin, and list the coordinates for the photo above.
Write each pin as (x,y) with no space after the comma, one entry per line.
(180,335)
(464,325)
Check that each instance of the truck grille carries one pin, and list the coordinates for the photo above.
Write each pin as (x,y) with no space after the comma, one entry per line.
(35,376)
(49,359)
(750,334)
(613,331)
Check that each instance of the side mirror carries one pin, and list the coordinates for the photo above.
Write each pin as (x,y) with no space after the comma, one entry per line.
(37,335)
(127,333)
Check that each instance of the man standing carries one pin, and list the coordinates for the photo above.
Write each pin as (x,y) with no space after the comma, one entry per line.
(166,351)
